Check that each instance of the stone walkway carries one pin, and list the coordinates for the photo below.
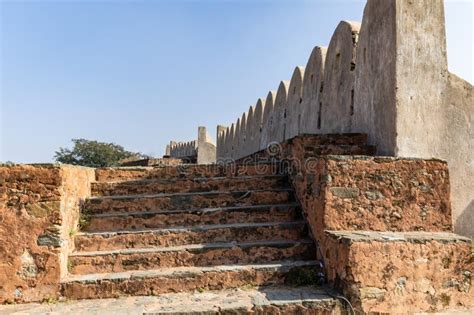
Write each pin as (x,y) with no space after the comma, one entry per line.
(237,301)
(274,300)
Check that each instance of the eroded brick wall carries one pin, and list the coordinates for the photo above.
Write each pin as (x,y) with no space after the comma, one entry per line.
(39,211)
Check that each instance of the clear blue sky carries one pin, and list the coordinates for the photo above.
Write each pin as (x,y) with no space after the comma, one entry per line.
(140,73)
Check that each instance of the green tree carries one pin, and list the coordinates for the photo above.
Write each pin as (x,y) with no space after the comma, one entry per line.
(93,154)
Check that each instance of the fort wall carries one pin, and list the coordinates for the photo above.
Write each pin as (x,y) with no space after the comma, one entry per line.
(201,151)
(386,77)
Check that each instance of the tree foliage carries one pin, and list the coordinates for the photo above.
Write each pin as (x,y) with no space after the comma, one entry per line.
(93,154)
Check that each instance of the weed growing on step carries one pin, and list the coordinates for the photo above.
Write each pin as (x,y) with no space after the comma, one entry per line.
(304,276)
(84,220)
(248,287)
(49,300)
(445,299)
(471,259)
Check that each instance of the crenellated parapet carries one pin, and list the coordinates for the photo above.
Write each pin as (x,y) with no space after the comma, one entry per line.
(183,149)
(304,104)
(267,120)
(313,86)
(294,107)
(201,151)
(337,97)
(387,77)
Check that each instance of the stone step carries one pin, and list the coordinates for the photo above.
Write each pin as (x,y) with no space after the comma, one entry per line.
(333,139)
(199,184)
(238,232)
(313,150)
(194,200)
(186,171)
(185,279)
(276,299)
(118,221)
(190,255)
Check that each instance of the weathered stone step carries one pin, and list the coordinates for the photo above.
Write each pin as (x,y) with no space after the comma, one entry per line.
(276,299)
(194,200)
(186,171)
(238,232)
(312,150)
(199,184)
(190,255)
(181,279)
(334,139)
(174,218)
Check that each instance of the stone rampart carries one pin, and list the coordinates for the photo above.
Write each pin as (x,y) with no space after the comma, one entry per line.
(183,149)
(201,151)
(386,77)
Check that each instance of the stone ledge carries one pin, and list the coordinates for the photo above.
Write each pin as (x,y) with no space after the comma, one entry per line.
(411,237)
(196,210)
(197,193)
(196,228)
(183,279)
(194,179)
(377,159)
(193,248)
(185,171)
(188,271)
(277,299)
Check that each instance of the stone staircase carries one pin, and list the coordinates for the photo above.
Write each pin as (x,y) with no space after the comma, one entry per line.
(151,231)
(238,239)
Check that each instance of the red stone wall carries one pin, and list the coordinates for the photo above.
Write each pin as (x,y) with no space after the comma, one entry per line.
(413,264)
(375,194)
(39,210)
(424,273)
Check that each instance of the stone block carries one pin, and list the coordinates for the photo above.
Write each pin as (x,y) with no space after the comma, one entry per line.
(400,272)
(375,194)
(39,207)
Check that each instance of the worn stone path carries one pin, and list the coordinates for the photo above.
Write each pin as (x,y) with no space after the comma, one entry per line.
(281,300)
